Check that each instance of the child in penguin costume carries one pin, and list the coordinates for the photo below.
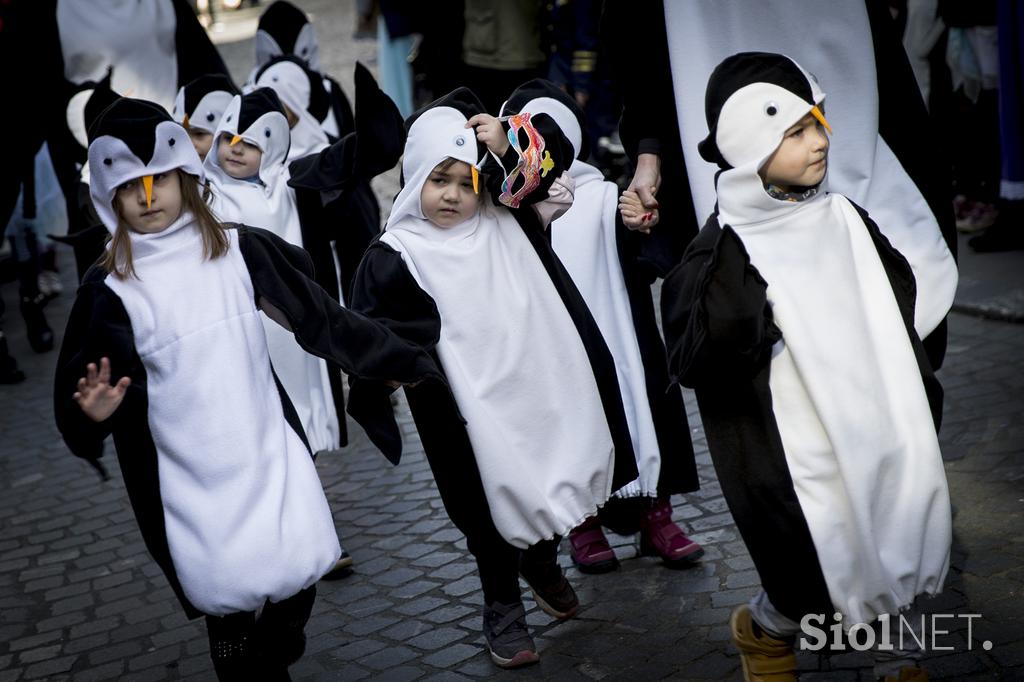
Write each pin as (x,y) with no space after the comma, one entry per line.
(249,183)
(199,106)
(526,433)
(249,178)
(601,256)
(214,460)
(285,30)
(800,326)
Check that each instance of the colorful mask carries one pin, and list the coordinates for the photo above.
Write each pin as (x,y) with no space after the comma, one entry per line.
(534,162)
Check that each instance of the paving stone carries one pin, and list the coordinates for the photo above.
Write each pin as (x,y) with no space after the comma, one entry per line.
(421,605)
(448,614)
(48,669)
(370,624)
(357,649)
(388,657)
(155,658)
(109,671)
(436,638)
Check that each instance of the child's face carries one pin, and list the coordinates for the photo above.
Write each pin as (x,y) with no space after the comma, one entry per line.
(163,210)
(801,159)
(240,160)
(201,140)
(447,198)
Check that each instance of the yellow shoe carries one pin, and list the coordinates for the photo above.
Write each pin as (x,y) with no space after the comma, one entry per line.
(764,658)
(909,674)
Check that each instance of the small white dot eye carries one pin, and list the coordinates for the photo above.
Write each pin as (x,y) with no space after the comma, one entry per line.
(771,108)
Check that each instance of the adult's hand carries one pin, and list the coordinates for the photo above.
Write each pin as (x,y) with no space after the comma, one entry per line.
(645,184)
(647,179)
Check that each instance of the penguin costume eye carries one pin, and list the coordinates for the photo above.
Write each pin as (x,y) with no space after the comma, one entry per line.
(210,117)
(170,142)
(107,162)
(460,141)
(771,108)
(266,131)
(229,117)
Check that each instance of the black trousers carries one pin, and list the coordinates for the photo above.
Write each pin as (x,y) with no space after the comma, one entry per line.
(499,565)
(246,647)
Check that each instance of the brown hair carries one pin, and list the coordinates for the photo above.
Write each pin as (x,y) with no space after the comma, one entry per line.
(445,165)
(118,258)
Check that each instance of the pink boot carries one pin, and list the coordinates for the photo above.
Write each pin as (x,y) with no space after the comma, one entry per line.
(589,548)
(660,536)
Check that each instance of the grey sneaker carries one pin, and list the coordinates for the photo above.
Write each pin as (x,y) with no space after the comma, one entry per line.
(508,638)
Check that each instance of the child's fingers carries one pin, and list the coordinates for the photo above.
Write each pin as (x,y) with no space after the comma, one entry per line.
(82,384)
(77,397)
(122,386)
(90,373)
(104,376)
(478,119)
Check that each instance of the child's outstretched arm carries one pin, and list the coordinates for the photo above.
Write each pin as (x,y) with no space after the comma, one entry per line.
(284,289)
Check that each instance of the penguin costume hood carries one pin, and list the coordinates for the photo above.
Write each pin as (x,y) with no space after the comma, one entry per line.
(540,96)
(135,139)
(303,92)
(257,118)
(201,103)
(284,29)
(435,133)
(846,381)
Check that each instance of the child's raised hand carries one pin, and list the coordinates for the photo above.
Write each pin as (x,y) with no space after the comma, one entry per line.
(634,215)
(490,131)
(97,398)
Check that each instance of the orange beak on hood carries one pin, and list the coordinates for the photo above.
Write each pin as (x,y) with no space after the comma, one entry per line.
(235,140)
(147,184)
(816,113)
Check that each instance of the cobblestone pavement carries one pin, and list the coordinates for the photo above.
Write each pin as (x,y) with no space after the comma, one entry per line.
(81,599)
